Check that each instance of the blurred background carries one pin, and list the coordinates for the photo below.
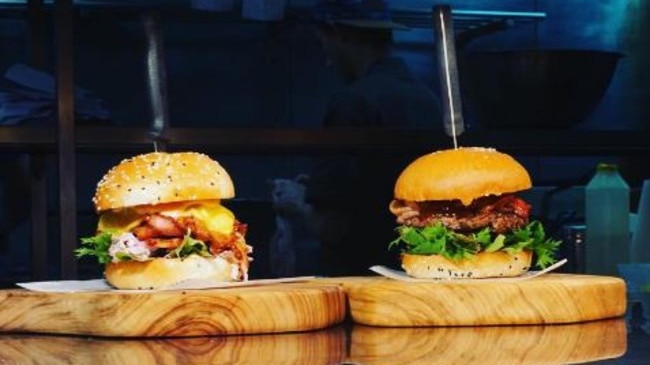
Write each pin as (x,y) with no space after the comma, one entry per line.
(226,70)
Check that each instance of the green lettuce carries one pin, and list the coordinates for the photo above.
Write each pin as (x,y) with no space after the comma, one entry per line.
(96,246)
(189,246)
(438,240)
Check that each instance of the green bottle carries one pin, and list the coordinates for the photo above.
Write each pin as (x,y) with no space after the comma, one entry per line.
(607,215)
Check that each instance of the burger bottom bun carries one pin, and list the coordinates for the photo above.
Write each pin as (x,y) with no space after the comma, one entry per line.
(161,272)
(483,265)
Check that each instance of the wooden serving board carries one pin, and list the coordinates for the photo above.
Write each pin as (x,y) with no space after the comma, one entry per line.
(286,307)
(550,298)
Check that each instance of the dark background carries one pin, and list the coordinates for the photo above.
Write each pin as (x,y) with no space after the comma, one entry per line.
(224,71)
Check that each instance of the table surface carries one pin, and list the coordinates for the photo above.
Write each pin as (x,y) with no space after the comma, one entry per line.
(345,344)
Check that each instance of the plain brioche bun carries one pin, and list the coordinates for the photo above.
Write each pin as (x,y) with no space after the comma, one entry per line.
(483,265)
(161,177)
(163,272)
(464,173)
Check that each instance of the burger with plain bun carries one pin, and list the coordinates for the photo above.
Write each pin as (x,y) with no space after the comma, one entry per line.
(459,217)
(161,222)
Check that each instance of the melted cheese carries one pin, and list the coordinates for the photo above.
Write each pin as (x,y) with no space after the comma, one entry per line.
(121,220)
(214,216)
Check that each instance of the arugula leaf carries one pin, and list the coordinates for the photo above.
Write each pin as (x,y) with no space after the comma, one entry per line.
(96,246)
(484,237)
(496,244)
(190,246)
(438,240)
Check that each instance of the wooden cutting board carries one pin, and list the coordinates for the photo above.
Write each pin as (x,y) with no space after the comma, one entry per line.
(575,343)
(274,308)
(550,298)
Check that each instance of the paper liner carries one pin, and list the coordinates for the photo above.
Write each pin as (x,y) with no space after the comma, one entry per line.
(72,286)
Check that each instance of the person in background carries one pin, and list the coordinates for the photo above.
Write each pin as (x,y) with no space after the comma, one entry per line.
(347,195)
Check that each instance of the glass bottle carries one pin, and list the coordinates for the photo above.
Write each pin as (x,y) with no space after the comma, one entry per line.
(607,215)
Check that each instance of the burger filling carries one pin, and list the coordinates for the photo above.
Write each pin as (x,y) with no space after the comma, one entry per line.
(501,214)
(458,232)
(175,230)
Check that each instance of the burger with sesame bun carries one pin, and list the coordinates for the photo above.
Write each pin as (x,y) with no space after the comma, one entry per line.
(161,222)
(460,217)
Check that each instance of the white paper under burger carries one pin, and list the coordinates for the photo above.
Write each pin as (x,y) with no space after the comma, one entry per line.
(73,286)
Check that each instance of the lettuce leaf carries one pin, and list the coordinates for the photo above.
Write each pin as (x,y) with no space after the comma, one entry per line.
(96,246)
(189,246)
(438,240)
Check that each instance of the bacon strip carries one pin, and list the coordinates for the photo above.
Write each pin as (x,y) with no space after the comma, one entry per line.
(163,232)
(156,226)
(166,226)
(166,243)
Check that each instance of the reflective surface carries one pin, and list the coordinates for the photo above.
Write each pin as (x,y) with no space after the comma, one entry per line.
(601,342)
(319,347)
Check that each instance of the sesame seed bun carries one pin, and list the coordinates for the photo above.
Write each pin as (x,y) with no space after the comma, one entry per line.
(464,173)
(160,177)
(483,265)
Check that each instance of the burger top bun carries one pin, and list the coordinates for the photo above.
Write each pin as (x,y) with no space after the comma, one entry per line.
(161,177)
(465,174)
